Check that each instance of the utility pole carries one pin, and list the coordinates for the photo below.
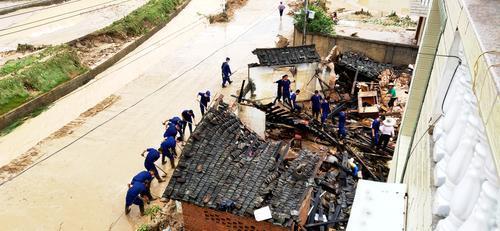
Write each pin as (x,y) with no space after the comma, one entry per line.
(304,31)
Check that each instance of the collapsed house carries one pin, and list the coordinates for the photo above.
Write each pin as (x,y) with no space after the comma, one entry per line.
(226,172)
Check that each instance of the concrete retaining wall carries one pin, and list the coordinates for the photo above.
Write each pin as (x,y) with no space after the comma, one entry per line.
(380,51)
(67,87)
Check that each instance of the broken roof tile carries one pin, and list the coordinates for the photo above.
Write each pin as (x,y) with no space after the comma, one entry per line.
(287,55)
(242,170)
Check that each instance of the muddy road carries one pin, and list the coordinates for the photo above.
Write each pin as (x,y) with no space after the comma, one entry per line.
(61,23)
(79,181)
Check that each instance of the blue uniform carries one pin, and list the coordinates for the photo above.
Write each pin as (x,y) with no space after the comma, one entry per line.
(295,105)
(187,121)
(286,90)
(152,156)
(168,150)
(376,128)
(342,121)
(134,193)
(175,120)
(226,73)
(170,131)
(325,109)
(316,103)
(203,102)
(142,177)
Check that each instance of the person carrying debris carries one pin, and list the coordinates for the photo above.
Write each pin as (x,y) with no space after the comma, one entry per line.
(316,104)
(281,8)
(392,94)
(144,177)
(204,99)
(375,129)
(387,130)
(342,122)
(168,150)
(187,120)
(226,72)
(136,195)
(149,163)
(293,98)
(325,109)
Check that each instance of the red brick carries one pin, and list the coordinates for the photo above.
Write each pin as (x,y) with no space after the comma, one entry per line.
(203,219)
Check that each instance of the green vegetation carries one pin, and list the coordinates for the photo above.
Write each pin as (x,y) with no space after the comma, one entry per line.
(142,19)
(393,20)
(321,23)
(20,121)
(28,77)
(143,227)
(152,211)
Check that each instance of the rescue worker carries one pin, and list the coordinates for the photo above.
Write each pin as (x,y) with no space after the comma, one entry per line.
(375,129)
(279,92)
(325,109)
(171,130)
(392,93)
(293,98)
(316,104)
(286,89)
(136,195)
(168,150)
(204,99)
(144,177)
(149,162)
(226,72)
(387,132)
(187,120)
(173,120)
(281,9)
(342,122)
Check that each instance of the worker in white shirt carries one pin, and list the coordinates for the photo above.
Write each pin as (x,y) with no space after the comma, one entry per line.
(386,132)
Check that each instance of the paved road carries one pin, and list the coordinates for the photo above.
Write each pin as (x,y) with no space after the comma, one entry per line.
(61,23)
(83,185)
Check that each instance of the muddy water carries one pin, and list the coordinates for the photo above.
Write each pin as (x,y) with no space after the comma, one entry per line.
(61,23)
(83,185)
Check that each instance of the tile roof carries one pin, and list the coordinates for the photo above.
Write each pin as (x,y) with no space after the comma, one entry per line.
(224,160)
(287,55)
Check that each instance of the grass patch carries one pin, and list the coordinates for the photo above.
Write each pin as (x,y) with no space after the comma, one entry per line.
(141,20)
(20,121)
(28,77)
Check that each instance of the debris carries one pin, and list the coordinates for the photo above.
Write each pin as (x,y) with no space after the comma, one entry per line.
(282,41)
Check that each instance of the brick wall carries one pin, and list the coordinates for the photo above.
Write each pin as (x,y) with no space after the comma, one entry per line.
(202,219)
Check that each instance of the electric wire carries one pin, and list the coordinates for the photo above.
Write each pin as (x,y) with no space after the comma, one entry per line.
(36,10)
(407,160)
(59,19)
(137,102)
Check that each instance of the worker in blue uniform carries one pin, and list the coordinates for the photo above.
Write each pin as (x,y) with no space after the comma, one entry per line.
(316,104)
(136,195)
(375,129)
(325,110)
(187,120)
(171,130)
(342,122)
(149,162)
(204,99)
(293,98)
(168,150)
(173,120)
(279,90)
(286,89)
(144,177)
(226,72)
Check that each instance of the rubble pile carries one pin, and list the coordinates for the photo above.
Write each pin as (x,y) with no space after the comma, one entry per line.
(225,166)
(368,70)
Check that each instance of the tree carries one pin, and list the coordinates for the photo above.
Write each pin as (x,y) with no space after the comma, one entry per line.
(321,23)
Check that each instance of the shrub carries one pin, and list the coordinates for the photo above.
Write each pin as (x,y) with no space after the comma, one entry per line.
(321,23)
